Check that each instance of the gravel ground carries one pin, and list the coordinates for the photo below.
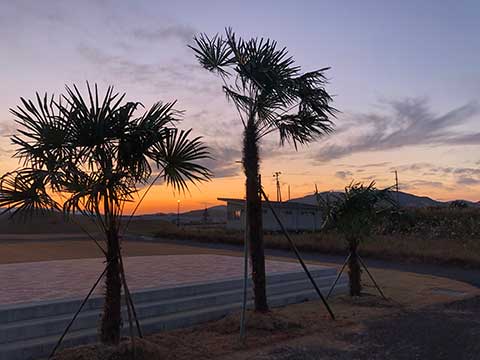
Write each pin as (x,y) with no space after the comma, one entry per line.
(445,331)
(412,326)
(424,318)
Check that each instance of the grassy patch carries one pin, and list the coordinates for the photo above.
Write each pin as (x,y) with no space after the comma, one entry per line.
(444,236)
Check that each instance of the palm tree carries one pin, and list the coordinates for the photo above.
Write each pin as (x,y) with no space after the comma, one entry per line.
(91,156)
(271,94)
(354,215)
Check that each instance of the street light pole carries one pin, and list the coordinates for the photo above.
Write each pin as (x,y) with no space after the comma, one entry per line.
(178,213)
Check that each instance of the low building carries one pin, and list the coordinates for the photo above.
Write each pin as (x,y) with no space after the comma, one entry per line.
(294,216)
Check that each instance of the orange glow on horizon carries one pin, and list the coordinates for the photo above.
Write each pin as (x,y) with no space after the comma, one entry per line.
(164,199)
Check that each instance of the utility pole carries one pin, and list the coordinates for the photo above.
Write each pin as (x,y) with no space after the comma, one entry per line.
(288,192)
(396,187)
(276,174)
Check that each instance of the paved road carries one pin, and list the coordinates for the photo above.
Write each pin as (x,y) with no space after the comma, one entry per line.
(59,279)
(471,276)
(43,237)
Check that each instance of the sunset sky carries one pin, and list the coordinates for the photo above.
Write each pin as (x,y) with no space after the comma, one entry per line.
(405,76)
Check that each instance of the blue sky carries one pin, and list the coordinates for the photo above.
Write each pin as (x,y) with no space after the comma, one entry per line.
(405,75)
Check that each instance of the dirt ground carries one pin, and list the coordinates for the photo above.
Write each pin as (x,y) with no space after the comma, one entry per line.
(426,317)
(38,248)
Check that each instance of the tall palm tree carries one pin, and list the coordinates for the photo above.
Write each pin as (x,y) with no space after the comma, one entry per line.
(270,94)
(91,156)
(353,215)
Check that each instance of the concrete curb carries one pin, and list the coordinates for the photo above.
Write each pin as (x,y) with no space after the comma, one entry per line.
(29,331)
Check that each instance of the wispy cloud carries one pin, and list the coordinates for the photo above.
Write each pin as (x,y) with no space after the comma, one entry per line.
(368,165)
(466,171)
(408,122)
(418,184)
(7,128)
(223,162)
(465,180)
(171,77)
(465,176)
(180,32)
(343,174)
(381,164)
(412,167)
(123,67)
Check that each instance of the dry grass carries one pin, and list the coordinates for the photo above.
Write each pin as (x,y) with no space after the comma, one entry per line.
(56,223)
(430,235)
(31,251)
(294,323)
(442,236)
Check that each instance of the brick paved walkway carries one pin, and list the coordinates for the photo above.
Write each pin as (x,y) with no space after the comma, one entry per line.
(27,282)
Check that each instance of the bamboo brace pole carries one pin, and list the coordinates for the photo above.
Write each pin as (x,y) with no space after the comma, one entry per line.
(338,276)
(297,253)
(59,342)
(245,279)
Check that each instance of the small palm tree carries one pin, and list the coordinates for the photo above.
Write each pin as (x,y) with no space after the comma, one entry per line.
(271,94)
(91,156)
(353,215)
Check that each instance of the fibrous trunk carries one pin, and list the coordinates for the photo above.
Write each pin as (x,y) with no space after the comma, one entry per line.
(354,271)
(253,224)
(111,321)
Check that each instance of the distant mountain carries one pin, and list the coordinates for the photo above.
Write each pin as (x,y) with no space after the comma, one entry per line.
(218,214)
(312,199)
(214,211)
(414,201)
(48,223)
(404,199)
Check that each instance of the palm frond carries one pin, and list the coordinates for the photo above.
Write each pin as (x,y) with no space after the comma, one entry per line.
(302,127)
(180,157)
(269,88)
(24,192)
(309,88)
(213,54)
(94,124)
(259,62)
(354,213)
(91,151)
(242,102)
(43,135)
(137,139)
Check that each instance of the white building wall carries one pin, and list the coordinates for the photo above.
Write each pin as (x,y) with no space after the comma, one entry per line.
(235,216)
(293,218)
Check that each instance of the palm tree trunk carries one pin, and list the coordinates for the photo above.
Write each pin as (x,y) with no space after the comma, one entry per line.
(354,271)
(253,216)
(111,319)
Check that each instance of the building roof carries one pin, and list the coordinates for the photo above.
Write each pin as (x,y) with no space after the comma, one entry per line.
(283,204)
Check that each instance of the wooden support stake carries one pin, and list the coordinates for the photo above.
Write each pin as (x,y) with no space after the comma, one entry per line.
(245,280)
(297,253)
(59,342)
(130,300)
(371,277)
(127,302)
(338,276)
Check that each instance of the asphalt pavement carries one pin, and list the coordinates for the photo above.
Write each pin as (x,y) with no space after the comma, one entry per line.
(471,276)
